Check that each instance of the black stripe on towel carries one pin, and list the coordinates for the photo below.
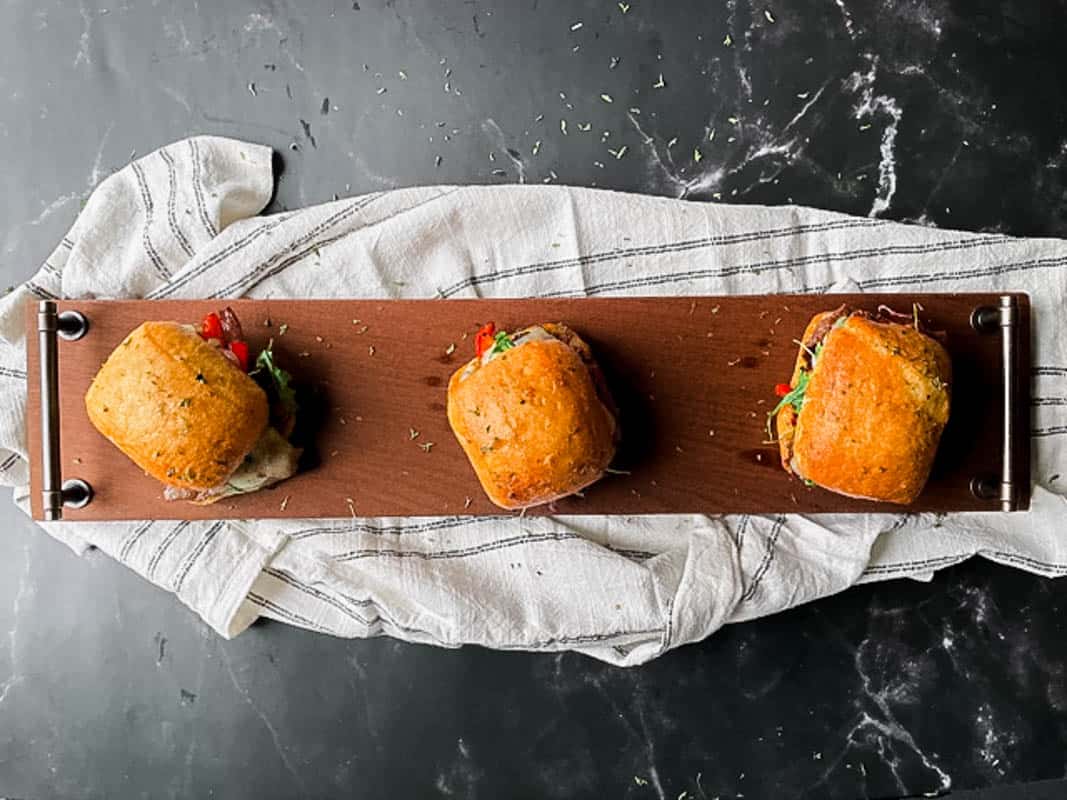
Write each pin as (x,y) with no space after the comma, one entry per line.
(172,194)
(131,540)
(286,614)
(768,558)
(195,554)
(641,251)
(149,208)
(163,547)
(462,552)
(198,190)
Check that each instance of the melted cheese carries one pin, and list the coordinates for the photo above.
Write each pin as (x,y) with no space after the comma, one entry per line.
(272,460)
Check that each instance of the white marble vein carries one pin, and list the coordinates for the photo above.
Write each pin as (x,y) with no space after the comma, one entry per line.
(92,179)
(650,749)
(24,590)
(193,747)
(887,727)
(997,741)
(637,703)
(48,209)
(708,180)
(96,173)
(846,17)
(259,23)
(83,56)
(500,142)
(273,731)
(869,105)
(462,776)
(177,97)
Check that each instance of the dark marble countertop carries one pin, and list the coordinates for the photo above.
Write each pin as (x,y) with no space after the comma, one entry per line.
(948,114)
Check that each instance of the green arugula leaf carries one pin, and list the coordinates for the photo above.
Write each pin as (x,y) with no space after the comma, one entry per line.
(501,342)
(795,398)
(279,377)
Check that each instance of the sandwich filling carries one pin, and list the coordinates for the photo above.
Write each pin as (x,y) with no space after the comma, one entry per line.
(793,395)
(273,458)
(490,344)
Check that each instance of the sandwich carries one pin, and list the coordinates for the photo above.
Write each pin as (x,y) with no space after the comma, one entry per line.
(864,411)
(192,409)
(533,414)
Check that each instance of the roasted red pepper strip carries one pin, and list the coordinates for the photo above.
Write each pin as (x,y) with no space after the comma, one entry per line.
(484,338)
(240,349)
(211,327)
(782,389)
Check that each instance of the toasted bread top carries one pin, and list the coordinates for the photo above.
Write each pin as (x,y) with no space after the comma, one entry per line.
(531,420)
(176,406)
(876,403)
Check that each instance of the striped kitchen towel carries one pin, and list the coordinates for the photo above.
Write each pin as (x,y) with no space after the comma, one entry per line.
(182,223)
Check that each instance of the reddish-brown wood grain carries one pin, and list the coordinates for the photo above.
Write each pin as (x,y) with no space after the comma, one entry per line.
(693,376)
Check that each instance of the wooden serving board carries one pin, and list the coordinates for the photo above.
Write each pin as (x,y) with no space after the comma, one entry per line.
(693,377)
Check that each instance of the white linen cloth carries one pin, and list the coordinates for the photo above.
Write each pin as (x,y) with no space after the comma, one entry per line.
(181,223)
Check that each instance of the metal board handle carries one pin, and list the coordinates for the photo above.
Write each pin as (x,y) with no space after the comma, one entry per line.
(55,493)
(989,320)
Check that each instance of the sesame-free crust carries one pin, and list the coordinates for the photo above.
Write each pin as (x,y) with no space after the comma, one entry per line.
(176,406)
